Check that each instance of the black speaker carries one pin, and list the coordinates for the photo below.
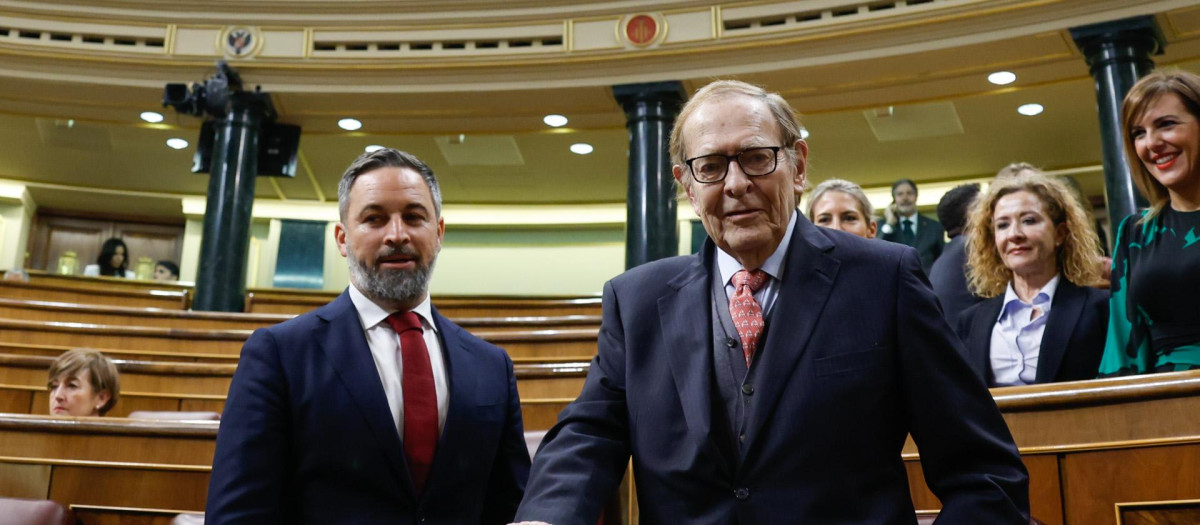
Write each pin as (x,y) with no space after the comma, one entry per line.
(278,149)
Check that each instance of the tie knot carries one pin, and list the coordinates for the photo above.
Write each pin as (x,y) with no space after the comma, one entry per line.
(907,222)
(754,280)
(404,321)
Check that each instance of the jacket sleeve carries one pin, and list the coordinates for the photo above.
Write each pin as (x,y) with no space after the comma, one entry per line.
(250,464)
(511,469)
(967,453)
(1127,348)
(583,457)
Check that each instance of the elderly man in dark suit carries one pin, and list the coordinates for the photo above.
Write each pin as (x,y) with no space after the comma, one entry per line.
(774,376)
(904,225)
(373,408)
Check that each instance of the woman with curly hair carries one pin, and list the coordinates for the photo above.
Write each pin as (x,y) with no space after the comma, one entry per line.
(1032,250)
(1155,324)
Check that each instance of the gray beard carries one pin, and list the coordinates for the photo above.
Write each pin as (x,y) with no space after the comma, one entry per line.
(390,286)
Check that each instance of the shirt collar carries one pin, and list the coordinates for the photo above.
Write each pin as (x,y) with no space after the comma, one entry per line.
(1043,299)
(372,314)
(773,265)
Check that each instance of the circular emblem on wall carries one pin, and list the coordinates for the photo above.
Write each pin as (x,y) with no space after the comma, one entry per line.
(642,29)
(240,41)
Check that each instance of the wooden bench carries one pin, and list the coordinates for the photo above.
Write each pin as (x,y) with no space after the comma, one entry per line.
(34,310)
(70,293)
(534,380)
(571,343)
(279,301)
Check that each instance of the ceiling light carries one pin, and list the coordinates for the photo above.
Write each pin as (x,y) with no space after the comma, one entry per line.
(555,121)
(177,143)
(373,148)
(581,148)
(1030,110)
(803,134)
(349,124)
(1002,78)
(152,117)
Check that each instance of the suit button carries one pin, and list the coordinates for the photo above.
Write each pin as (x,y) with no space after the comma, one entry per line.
(741,493)
(748,389)
(730,342)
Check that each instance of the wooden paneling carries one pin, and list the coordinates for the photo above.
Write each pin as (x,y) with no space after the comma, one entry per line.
(1095,481)
(167,340)
(24,481)
(99,515)
(130,487)
(301,301)
(1045,492)
(54,234)
(121,353)
(1184,512)
(33,310)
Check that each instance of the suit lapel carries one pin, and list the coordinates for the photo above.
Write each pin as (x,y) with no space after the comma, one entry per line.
(980,344)
(1064,315)
(343,341)
(807,282)
(462,391)
(684,315)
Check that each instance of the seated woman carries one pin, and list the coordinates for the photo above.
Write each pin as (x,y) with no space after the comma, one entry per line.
(1032,250)
(842,205)
(166,271)
(83,382)
(112,262)
(1155,323)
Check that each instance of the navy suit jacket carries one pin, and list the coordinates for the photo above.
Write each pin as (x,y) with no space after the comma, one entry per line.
(1072,343)
(307,435)
(929,243)
(948,277)
(856,356)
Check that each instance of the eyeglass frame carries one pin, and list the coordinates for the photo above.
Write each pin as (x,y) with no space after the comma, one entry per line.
(729,160)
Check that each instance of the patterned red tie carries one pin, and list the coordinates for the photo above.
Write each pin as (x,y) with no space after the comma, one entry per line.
(420,397)
(746,312)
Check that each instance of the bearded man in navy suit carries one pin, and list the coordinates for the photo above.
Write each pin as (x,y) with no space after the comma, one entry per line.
(774,376)
(374,408)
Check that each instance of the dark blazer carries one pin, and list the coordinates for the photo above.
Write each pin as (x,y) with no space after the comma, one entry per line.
(948,277)
(856,356)
(931,238)
(307,435)
(1072,343)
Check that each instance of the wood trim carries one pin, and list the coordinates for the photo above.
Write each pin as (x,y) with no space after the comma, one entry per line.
(58,349)
(182,295)
(103,464)
(128,510)
(1097,391)
(109,426)
(117,330)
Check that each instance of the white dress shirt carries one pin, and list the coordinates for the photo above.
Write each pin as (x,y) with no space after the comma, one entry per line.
(385,350)
(1016,339)
(766,295)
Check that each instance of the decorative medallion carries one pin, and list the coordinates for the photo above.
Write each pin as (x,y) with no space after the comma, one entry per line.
(240,41)
(642,30)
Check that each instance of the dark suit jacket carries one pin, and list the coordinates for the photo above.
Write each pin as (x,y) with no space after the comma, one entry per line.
(856,356)
(931,237)
(1072,343)
(307,434)
(948,277)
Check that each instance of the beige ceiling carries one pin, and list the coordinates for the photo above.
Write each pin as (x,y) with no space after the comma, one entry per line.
(90,138)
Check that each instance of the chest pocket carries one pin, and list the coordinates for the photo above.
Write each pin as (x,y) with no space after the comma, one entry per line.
(852,362)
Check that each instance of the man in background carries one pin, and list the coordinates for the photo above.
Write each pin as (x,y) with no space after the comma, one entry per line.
(904,225)
(949,273)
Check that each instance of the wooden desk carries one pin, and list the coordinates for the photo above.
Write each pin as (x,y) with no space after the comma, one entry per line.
(108,462)
(70,293)
(300,301)
(35,310)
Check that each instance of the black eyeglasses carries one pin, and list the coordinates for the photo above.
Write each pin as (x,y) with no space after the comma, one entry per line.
(755,162)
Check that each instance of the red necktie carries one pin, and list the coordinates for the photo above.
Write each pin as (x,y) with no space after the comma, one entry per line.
(746,312)
(420,397)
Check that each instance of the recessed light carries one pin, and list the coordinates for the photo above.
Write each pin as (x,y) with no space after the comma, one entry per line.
(803,134)
(177,143)
(349,124)
(581,148)
(1002,78)
(152,117)
(373,148)
(1030,110)
(555,121)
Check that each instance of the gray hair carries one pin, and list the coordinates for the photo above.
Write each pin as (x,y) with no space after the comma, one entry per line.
(386,158)
(844,186)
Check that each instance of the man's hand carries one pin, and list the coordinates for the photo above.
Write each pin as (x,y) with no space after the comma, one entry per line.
(889,214)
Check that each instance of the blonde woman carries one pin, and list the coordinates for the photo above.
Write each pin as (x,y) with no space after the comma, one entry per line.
(1032,250)
(1155,322)
(842,205)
